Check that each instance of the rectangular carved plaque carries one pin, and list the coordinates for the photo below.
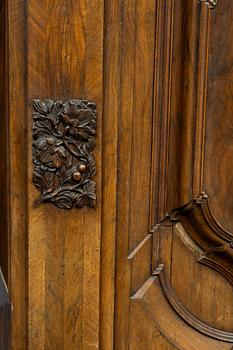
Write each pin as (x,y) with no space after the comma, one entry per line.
(63,142)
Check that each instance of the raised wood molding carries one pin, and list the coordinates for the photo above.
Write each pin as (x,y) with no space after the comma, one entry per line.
(179,156)
(178,161)
(213,246)
(162,107)
(199,209)
(185,314)
(204,229)
(152,299)
(179,147)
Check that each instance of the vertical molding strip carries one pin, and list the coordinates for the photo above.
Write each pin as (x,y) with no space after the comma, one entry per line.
(161,124)
(201,102)
(17,176)
(111,92)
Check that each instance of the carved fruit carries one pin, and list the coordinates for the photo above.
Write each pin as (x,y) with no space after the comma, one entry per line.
(77,176)
(82,168)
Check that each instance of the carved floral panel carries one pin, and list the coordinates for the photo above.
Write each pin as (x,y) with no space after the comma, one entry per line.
(63,143)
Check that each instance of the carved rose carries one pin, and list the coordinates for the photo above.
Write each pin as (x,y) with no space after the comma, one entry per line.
(78,121)
(50,151)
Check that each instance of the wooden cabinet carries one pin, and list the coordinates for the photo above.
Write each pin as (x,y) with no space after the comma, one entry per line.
(116,125)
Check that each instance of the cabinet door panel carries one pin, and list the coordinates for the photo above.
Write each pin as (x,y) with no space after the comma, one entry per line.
(185,296)
(150,266)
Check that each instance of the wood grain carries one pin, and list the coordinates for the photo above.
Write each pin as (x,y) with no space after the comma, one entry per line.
(141,127)
(135,124)
(160,74)
(67,287)
(56,55)
(128,33)
(198,279)
(143,331)
(150,295)
(218,146)
(112,43)
(17,173)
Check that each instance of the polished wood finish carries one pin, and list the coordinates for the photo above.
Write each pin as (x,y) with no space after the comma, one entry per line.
(187,302)
(150,266)
(54,254)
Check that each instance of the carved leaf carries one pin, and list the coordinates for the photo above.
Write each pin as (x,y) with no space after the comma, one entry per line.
(87,196)
(43,107)
(64,200)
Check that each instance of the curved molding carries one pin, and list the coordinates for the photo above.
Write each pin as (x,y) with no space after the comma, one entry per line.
(185,314)
(213,247)
(152,298)
(210,262)
(210,3)
(199,212)
(206,232)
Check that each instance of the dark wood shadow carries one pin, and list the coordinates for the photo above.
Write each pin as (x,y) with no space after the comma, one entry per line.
(5,306)
(5,315)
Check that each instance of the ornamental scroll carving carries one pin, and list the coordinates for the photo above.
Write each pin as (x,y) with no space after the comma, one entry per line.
(63,143)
